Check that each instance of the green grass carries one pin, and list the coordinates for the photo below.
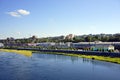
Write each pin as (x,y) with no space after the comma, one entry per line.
(23,52)
(101,58)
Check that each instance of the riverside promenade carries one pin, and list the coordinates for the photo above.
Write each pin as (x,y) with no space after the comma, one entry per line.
(97,53)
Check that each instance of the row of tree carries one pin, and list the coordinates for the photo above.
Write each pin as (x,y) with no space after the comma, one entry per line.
(81,38)
(98,37)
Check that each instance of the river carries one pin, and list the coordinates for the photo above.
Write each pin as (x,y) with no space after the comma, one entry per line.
(41,66)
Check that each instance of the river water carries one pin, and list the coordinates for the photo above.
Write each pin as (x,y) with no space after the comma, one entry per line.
(41,66)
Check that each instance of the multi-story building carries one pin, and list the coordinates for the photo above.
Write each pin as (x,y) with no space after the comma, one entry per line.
(70,36)
(1,44)
(102,47)
(83,45)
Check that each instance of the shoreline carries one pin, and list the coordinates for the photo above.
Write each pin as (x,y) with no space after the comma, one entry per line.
(22,52)
(94,57)
(93,53)
(100,58)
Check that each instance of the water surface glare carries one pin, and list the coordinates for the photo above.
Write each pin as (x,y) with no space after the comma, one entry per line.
(42,66)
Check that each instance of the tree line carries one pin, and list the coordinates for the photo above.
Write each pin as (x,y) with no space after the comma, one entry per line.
(75,39)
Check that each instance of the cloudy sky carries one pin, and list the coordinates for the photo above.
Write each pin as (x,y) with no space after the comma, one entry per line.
(24,18)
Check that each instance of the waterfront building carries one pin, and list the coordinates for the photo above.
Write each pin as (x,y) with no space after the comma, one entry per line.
(46,44)
(63,45)
(1,44)
(102,47)
(31,44)
(109,45)
(82,45)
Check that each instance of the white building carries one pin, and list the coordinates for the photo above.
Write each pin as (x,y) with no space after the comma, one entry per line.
(1,44)
(63,45)
(56,45)
(46,44)
(31,44)
(103,47)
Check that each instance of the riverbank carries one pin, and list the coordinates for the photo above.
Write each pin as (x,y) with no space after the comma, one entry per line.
(23,52)
(100,58)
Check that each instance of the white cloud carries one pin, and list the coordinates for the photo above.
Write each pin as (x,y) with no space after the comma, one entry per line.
(19,13)
(14,14)
(23,12)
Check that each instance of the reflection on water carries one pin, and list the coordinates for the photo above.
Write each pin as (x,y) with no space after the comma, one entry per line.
(76,59)
(42,66)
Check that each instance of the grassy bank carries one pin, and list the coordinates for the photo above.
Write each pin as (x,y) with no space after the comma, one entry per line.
(23,52)
(101,58)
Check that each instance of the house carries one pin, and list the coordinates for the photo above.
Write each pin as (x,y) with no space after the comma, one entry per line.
(1,44)
(63,45)
(81,45)
(46,44)
(31,44)
(102,47)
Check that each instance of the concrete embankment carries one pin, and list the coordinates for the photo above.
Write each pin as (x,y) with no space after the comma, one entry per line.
(97,53)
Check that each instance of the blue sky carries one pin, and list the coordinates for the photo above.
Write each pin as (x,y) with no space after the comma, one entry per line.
(44,18)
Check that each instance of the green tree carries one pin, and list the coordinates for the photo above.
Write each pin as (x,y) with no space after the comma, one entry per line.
(88,39)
